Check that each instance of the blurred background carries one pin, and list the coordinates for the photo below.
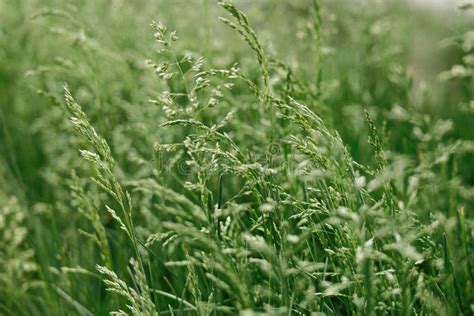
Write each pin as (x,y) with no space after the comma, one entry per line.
(380,55)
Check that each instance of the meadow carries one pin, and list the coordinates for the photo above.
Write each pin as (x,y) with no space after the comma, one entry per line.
(201,157)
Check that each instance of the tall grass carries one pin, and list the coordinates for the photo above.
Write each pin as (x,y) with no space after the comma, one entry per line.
(178,179)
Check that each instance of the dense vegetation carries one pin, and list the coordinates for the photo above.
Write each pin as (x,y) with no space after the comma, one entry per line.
(263,157)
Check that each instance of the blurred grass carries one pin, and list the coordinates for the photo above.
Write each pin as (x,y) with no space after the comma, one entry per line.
(385,58)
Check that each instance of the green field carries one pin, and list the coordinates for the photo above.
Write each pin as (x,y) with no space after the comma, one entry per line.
(255,157)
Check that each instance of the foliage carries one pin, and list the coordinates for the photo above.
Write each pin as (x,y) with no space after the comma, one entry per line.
(242,167)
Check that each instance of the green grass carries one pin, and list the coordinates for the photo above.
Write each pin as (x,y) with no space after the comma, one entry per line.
(210,158)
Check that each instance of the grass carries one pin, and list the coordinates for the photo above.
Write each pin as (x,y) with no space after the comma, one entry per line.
(280,158)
